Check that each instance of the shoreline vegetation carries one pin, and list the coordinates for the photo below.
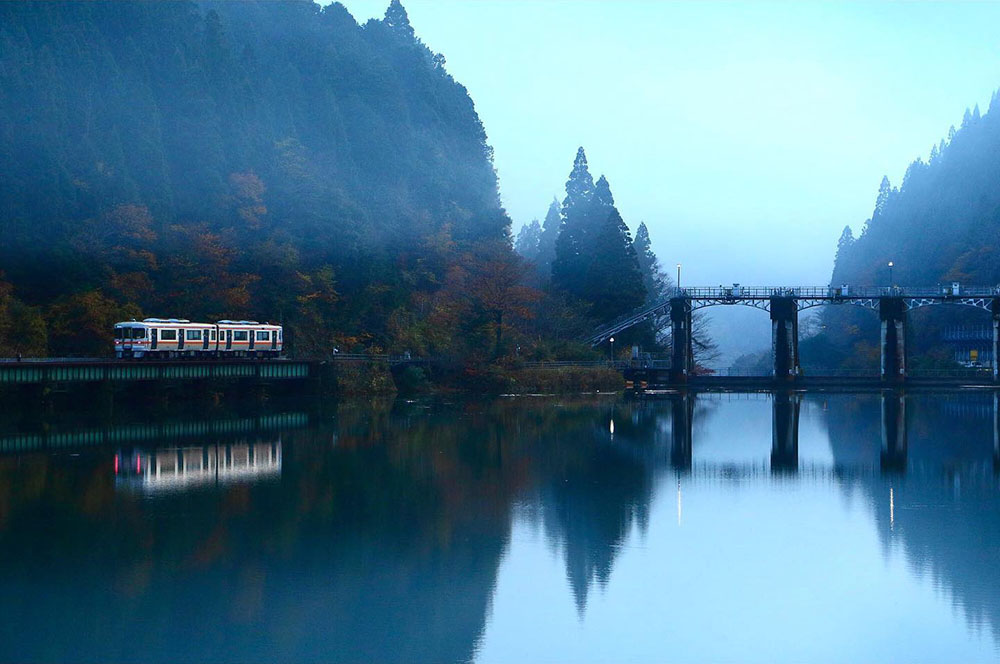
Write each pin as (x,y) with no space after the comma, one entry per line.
(373,379)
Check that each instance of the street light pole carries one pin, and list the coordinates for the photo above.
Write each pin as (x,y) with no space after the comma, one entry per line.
(612,340)
(890,274)
(678,276)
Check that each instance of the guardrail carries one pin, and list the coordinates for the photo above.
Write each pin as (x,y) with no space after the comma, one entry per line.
(381,357)
(830,292)
(925,373)
(26,372)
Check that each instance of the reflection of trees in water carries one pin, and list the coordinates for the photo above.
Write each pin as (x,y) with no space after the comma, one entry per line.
(383,537)
(381,541)
(595,486)
(945,511)
(362,552)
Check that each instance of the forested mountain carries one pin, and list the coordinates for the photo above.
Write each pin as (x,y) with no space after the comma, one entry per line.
(942,224)
(272,160)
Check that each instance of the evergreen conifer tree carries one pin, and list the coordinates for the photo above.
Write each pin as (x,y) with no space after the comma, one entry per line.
(844,244)
(398,20)
(614,281)
(653,278)
(547,241)
(569,264)
(528,238)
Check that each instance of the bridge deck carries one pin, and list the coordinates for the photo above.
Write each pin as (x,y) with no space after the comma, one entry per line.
(804,297)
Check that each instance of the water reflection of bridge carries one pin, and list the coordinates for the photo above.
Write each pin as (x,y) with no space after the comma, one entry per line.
(785,410)
(376,550)
(160,431)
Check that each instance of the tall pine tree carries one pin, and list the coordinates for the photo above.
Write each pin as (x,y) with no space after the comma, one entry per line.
(595,261)
(527,244)
(653,277)
(614,281)
(397,19)
(569,263)
(547,242)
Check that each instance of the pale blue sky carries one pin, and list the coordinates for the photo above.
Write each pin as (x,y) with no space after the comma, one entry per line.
(746,135)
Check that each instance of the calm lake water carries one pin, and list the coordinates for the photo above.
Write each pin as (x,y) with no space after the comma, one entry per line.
(732,527)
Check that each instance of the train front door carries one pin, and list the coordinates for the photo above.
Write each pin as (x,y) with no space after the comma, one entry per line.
(229,339)
(274,340)
(204,340)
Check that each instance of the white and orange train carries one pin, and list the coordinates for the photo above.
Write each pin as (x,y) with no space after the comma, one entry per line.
(178,337)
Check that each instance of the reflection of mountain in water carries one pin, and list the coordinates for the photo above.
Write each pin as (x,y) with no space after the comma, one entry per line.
(379,534)
(945,510)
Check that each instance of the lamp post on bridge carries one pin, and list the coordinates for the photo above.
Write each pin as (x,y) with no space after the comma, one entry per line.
(890,274)
(678,276)
(612,340)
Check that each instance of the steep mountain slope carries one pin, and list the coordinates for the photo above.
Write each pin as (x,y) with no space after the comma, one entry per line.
(234,159)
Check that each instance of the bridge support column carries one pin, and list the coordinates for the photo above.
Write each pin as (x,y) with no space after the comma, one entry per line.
(995,309)
(892,313)
(785,432)
(682,411)
(996,433)
(785,337)
(894,447)
(682,355)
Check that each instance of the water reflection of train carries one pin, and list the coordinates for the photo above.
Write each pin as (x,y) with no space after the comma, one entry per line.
(164,469)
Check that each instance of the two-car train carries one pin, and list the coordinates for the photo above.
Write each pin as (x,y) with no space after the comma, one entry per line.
(178,337)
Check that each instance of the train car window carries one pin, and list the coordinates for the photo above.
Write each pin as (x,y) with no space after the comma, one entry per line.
(168,335)
(262,336)
(240,335)
(192,335)
(213,335)
(138,333)
(118,333)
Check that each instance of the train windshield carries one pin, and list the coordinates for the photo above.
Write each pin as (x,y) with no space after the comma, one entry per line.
(130,333)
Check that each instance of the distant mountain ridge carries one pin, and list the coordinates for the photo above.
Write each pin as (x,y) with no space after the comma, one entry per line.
(942,223)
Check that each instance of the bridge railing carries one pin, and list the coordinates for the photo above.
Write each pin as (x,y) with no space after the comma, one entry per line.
(736,372)
(830,292)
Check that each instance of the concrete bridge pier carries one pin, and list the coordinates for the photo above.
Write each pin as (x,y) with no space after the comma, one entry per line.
(894,447)
(682,413)
(785,337)
(892,314)
(785,432)
(995,310)
(996,432)
(682,353)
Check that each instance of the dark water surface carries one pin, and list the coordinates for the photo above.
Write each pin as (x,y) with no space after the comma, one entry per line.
(823,527)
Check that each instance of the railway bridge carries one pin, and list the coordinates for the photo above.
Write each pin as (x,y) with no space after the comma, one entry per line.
(891,304)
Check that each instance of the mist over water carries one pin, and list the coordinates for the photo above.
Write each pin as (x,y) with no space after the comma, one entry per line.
(756,527)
